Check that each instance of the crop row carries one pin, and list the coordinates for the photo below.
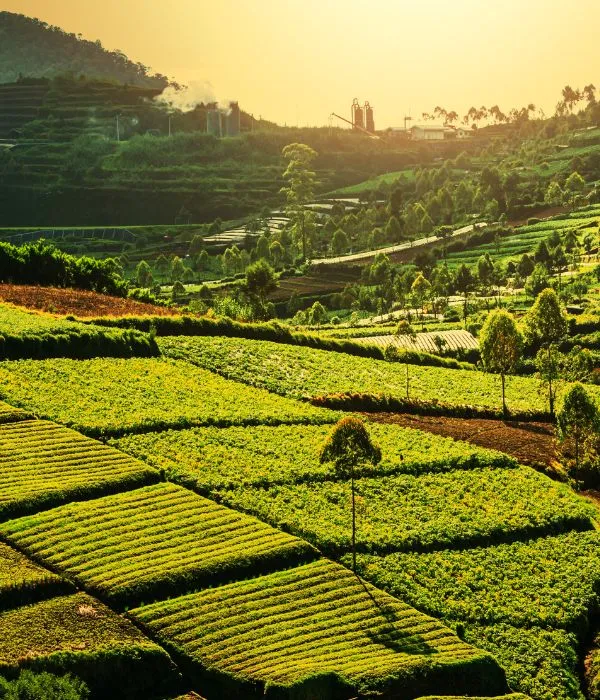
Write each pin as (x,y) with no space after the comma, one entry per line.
(25,334)
(548,582)
(420,513)
(300,372)
(318,629)
(209,459)
(152,542)
(78,634)
(111,397)
(44,464)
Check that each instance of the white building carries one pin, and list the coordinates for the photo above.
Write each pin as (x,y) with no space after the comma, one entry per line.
(428,132)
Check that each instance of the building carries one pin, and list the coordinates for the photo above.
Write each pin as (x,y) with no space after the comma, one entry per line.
(438,132)
(428,132)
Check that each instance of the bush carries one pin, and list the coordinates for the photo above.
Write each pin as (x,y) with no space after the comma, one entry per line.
(43,686)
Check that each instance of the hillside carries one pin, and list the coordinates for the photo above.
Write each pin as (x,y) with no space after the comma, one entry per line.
(32,48)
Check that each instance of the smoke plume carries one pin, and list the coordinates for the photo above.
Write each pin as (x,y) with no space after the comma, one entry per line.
(187,97)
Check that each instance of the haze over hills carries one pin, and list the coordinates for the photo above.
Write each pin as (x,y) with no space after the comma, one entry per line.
(32,48)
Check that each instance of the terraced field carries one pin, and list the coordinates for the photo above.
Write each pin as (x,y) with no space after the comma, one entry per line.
(114,396)
(22,581)
(425,342)
(78,633)
(315,625)
(548,582)
(427,512)
(152,542)
(32,334)
(525,238)
(209,459)
(44,464)
(304,372)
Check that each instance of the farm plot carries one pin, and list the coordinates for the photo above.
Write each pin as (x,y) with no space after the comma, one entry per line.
(78,634)
(425,342)
(302,372)
(541,663)
(44,465)
(209,459)
(22,581)
(421,513)
(548,582)
(78,302)
(115,396)
(315,628)
(28,334)
(153,542)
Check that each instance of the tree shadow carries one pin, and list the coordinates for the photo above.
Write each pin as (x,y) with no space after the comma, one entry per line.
(388,633)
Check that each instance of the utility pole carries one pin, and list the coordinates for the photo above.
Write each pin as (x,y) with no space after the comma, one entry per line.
(118,131)
(169,125)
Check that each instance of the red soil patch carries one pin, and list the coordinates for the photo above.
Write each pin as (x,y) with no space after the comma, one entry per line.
(529,443)
(77,302)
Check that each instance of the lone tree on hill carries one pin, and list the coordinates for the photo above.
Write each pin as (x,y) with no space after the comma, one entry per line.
(500,346)
(546,322)
(578,417)
(349,446)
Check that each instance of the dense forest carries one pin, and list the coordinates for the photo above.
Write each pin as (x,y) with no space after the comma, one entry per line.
(32,48)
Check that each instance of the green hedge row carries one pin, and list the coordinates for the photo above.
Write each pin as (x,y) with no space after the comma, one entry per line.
(77,343)
(375,403)
(273,332)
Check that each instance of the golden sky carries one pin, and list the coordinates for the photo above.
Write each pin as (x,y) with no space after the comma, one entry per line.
(296,61)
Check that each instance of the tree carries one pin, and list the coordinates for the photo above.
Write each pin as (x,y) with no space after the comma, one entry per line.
(578,417)
(143,275)
(177,269)
(196,245)
(464,283)
(574,186)
(276,253)
(538,281)
(260,282)
(317,314)
(548,363)
(421,289)
(43,686)
(178,290)
(525,266)
(301,181)
(393,230)
(546,322)
(500,346)
(542,254)
(339,242)
(554,194)
(349,446)
(405,329)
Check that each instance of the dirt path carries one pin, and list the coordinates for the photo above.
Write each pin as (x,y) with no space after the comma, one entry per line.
(529,443)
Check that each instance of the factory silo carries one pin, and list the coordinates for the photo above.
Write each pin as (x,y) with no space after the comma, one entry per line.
(232,120)
(369,119)
(357,115)
(214,122)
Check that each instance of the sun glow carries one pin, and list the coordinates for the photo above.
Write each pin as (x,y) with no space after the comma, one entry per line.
(296,61)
